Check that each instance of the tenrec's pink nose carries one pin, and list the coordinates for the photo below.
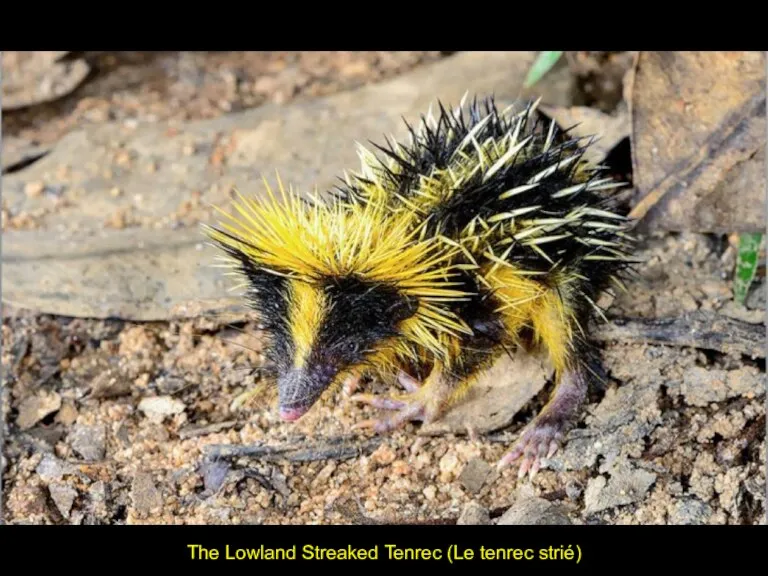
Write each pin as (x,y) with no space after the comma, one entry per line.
(291,414)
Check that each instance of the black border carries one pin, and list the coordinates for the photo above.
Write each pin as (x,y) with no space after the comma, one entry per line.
(615,548)
(390,26)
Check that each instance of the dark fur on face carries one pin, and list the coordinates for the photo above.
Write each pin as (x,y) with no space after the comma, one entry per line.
(359,316)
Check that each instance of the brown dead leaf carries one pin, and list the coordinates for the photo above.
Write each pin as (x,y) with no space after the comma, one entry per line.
(629,78)
(698,141)
(131,273)
(35,77)
(497,397)
(609,129)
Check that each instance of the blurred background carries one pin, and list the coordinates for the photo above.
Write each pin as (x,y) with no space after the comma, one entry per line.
(134,147)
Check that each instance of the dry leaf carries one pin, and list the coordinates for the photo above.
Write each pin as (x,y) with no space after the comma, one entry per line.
(609,129)
(497,396)
(698,141)
(35,77)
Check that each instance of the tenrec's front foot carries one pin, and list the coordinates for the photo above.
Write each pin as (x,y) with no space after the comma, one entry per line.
(407,410)
(542,439)
(351,384)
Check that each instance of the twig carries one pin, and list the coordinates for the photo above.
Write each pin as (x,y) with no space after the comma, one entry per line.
(700,329)
(192,431)
(354,511)
(339,448)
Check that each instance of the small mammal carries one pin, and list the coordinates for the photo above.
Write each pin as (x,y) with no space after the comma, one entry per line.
(485,232)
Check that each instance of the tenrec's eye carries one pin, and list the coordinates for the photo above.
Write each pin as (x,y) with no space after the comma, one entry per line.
(352,347)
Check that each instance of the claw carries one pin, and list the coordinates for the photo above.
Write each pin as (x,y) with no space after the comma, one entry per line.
(379,402)
(541,441)
(524,466)
(411,385)
(406,410)
(351,384)
(552,449)
(534,468)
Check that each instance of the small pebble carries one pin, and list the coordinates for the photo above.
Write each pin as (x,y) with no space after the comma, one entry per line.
(474,514)
(89,442)
(474,475)
(158,407)
(383,455)
(144,493)
(534,511)
(63,496)
(573,489)
(34,189)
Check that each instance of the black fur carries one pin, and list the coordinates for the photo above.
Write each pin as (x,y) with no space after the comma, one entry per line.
(361,315)
(432,149)
(268,295)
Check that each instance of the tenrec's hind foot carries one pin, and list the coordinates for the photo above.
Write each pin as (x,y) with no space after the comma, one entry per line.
(542,439)
(544,436)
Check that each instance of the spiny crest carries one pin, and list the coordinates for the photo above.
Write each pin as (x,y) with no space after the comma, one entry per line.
(452,152)
(496,176)
(501,187)
(314,241)
(507,191)
(317,242)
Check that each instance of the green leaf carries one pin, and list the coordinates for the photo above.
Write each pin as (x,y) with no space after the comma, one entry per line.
(746,265)
(543,64)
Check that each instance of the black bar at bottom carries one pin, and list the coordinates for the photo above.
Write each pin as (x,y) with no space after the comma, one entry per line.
(356,547)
